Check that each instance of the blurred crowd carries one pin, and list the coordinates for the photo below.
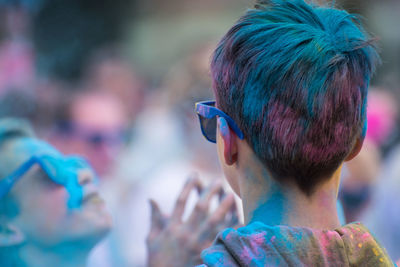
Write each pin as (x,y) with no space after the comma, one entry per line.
(116,82)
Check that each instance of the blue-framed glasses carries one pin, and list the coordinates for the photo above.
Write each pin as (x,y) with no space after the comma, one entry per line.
(208,113)
(61,170)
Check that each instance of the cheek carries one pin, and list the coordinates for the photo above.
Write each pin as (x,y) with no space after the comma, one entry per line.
(56,203)
(102,158)
(44,213)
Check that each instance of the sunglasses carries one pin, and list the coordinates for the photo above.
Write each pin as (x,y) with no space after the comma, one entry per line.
(208,113)
(95,137)
(61,170)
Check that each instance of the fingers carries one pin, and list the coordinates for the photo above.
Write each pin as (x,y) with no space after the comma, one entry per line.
(214,189)
(225,216)
(209,226)
(200,211)
(183,197)
(157,219)
(227,205)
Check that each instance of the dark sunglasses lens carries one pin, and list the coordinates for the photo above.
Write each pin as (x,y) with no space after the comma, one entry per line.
(209,128)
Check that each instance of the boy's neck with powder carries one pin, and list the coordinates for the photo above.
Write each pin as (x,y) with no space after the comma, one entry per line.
(273,203)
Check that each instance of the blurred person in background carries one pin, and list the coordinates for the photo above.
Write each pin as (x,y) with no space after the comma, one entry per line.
(362,175)
(17,68)
(99,122)
(188,82)
(359,178)
(164,150)
(96,120)
(65,33)
(51,212)
(107,70)
(382,215)
(95,126)
(17,72)
(382,114)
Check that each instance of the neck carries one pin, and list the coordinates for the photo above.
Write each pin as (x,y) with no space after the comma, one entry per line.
(62,256)
(272,203)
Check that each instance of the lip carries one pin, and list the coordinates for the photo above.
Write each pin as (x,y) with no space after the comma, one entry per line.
(91,195)
(93,198)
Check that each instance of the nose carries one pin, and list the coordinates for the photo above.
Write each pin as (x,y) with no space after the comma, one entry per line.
(85,176)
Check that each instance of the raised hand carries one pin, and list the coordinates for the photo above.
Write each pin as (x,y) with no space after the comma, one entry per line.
(174,242)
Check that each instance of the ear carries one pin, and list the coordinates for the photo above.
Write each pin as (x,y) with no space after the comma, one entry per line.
(356,149)
(10,235)
(228,138)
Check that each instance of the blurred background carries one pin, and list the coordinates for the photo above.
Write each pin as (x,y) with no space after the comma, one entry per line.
(116,81)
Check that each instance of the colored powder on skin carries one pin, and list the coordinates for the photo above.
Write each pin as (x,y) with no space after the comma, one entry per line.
(66,173)
(65,170)
(271,210)
(223,126)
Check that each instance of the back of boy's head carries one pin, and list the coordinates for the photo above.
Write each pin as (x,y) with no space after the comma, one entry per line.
(294,76)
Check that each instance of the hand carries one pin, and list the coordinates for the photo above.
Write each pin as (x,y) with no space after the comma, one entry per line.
(174,242)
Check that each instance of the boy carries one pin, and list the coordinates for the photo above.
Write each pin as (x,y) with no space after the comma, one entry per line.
(291,82)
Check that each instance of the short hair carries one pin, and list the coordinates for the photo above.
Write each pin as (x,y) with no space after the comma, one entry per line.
(295,76)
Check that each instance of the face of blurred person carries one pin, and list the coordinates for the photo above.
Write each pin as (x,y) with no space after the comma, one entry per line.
(43,215)
(119,78)
(98,123)
(358,180)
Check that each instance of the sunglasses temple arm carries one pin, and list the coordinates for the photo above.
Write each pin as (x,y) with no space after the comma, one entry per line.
(7,183)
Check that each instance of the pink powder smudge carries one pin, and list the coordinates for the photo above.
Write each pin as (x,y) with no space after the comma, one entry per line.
(245,255)
(365,236)
(257,239)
